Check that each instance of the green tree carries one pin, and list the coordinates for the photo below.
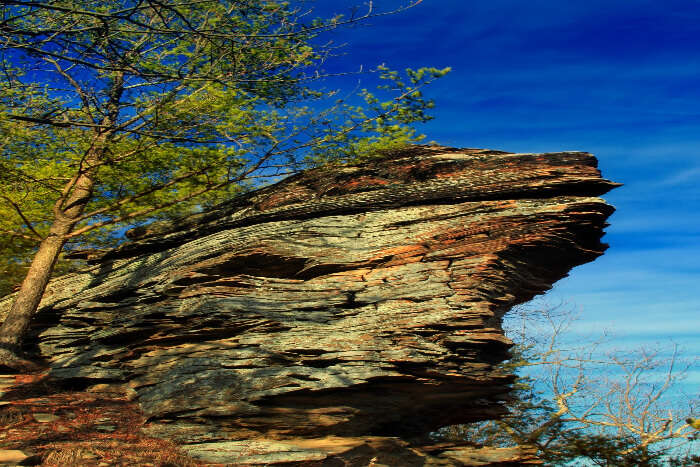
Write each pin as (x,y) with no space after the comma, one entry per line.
(114,111)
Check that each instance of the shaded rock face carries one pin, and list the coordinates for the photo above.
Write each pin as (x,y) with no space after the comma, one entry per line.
(343,313)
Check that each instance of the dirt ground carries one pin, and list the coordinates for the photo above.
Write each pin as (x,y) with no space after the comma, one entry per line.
(61,426)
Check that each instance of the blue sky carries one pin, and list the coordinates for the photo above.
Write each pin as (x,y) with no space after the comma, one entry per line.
(619,79)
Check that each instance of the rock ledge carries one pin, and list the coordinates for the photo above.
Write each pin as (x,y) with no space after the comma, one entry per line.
(336,317)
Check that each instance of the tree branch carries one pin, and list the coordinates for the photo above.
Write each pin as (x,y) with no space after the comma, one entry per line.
(24,219)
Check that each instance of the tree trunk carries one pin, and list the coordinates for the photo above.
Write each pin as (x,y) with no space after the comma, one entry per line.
(67,211)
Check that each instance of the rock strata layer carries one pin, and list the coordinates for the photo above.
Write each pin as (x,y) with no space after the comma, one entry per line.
(336,317)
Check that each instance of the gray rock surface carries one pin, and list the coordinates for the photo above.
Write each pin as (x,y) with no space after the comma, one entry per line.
(338,312)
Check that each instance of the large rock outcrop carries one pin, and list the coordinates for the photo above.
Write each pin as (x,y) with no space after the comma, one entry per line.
(337,316)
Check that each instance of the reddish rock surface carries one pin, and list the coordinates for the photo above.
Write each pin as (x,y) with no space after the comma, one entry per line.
(335,318)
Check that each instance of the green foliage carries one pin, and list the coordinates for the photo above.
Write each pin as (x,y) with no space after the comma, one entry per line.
(185,104)
(28,183)
(383,126)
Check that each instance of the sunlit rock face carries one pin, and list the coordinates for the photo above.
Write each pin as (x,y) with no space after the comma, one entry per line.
(337,316)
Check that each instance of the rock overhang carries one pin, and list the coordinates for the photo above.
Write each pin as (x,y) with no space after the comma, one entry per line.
(345,301)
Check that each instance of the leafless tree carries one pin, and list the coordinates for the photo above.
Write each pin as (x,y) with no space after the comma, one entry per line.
(578,401)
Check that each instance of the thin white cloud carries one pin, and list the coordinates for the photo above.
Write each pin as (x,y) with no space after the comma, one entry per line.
(656,219)
(682,177)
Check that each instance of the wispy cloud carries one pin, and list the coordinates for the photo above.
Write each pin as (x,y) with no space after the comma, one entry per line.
(682,177)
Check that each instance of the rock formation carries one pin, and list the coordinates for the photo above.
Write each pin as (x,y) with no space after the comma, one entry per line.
(334,318)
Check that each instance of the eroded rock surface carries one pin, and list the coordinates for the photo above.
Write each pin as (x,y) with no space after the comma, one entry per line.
(336,317)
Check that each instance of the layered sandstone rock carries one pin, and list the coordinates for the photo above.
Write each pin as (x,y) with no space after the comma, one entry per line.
(340,315)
